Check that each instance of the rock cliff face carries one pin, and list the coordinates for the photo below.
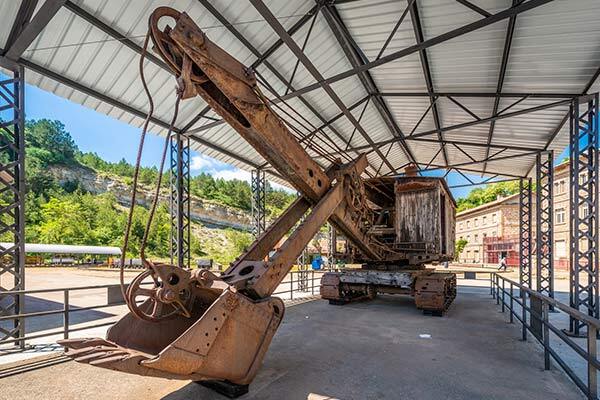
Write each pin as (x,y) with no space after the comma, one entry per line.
(200,210)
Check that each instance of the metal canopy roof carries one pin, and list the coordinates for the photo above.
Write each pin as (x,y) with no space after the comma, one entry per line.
(477,86)
(66,249)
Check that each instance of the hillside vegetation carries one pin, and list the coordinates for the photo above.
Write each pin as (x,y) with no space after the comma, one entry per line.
(490,192)
(66,214)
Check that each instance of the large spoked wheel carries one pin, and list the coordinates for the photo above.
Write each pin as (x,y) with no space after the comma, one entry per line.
(169,295)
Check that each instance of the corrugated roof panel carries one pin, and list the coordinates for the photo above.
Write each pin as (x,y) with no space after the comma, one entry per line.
(470,62)
(528,130)
(370,24)
(8,13)
(555,48)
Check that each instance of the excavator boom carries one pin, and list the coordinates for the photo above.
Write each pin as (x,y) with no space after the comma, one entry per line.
(194,324)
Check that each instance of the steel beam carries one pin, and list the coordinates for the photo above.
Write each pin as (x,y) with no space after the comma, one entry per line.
(482,95)
(418,32)
(33,28)
(525,233)
(278,43)
(110,31)
(473,7)
(482,23)
(583,177)
(24,14)
(503,64)
(420,135)
(566,117)
(264,11)
(494,118)
(12,209)
(180,200)
(544,223)
(207,4)
(259,196)
(89,91)
(356,58)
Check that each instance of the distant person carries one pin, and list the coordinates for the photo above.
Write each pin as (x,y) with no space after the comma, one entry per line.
(502,263)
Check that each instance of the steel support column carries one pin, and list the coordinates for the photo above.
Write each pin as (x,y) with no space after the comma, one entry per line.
(525,232)
(12,201)
(583,151)
(180,200)
(259,197)
(331,245)
(544,224)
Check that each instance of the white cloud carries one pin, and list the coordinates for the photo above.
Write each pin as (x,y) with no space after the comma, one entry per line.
(203,162)
(230,174)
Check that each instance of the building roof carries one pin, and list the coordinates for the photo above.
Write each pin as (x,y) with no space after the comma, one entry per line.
(491,204)
(66,249)
(479,88)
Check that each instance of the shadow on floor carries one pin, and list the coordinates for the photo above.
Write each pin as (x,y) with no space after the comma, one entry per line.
(54,321)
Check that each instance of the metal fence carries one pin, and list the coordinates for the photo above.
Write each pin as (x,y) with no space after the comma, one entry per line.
(299,282)
(532,310)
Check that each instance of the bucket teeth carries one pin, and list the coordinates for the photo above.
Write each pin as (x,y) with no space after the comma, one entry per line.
(99,354)
(110,362)
(84,342)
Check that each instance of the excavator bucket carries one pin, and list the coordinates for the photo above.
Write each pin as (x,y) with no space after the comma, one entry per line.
(222,340)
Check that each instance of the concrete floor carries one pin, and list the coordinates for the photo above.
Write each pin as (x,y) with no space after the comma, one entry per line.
(383,349)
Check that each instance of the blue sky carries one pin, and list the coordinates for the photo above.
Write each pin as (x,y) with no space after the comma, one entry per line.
(113,140)
(110,138)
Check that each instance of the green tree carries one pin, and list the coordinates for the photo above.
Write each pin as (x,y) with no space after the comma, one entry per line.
(459,246)
(486,194)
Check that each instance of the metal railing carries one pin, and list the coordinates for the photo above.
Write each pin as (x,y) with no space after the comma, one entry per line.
(532,310)
(67,308)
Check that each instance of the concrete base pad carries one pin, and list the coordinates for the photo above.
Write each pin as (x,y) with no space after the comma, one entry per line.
(383,349)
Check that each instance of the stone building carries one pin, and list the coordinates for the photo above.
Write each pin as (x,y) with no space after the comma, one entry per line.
(493,228)
(493,220)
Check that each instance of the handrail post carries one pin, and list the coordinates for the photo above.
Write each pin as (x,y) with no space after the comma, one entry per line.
(312,281)
(66,314)
(511,303)
(503,292)
(592,353)
(524,314)
(546,333)
(491,285)
(292,285)
(497,285)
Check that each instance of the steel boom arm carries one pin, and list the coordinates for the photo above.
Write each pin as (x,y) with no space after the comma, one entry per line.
(204,69)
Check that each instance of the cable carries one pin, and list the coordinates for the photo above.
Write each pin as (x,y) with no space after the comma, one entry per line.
(160,175)
(128,37)
(137,168)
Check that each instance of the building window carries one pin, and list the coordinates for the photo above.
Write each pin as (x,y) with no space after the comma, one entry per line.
(476,223)
(476,238)
(494,217)
(582,178)
(468,238)
(560,215)
(484,221)
(559,186)
(468,224)
(560,248)
(584,211)
(493,233)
